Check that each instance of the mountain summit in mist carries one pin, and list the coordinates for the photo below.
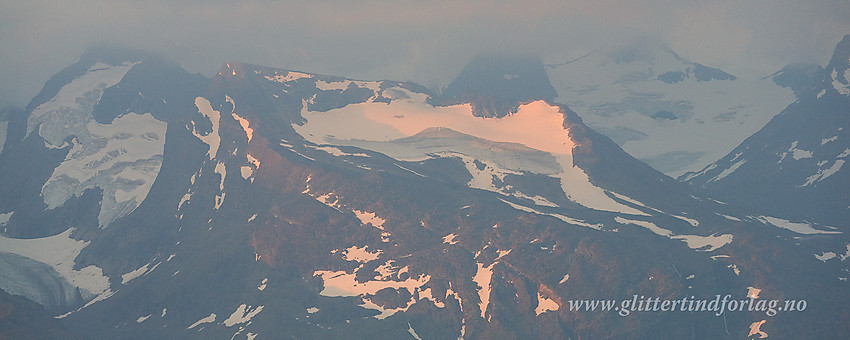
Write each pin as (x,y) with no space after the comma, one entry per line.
(676,115)
(497,84)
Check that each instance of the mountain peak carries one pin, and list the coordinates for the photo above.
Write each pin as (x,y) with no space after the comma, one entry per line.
(841,56)
(799,77)
(496,84)
(641,50)
(105,53)
(113,54)
(837,75)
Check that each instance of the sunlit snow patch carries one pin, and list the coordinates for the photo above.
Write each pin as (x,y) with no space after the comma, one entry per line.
(248,170)
(753,293)
(734,268)
(366,217)
(344,284)
(360,254)
(372,219)
(245,124)
(383,127)
(482,278)
(340,283)
(212,138)
(545,304)
(755,330)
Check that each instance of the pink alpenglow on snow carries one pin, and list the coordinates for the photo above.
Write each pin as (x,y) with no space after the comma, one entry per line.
(536,125)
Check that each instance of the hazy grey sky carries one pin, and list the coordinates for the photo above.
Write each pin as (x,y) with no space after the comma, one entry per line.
(423,41)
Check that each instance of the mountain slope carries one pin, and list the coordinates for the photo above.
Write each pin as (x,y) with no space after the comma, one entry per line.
(24,319)
(796,159)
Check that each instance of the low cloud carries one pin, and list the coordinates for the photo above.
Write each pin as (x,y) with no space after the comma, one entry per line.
(427,42)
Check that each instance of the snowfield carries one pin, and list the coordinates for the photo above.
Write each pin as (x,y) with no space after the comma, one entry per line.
(59,252)
(123,157)
(675,126)
(536,130)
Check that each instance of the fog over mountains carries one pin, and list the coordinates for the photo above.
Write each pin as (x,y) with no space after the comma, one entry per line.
(425,42)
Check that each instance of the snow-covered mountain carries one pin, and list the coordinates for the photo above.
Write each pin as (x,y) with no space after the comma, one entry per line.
(76,164)
(794,166)
(141,201)
(673,114)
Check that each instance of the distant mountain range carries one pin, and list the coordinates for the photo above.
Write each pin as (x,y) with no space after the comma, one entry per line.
(673,114)
(142,201)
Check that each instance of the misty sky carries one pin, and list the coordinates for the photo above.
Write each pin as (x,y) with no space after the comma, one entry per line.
(423,41)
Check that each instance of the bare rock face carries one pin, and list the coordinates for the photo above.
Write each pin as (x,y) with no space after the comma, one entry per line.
(496,85)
